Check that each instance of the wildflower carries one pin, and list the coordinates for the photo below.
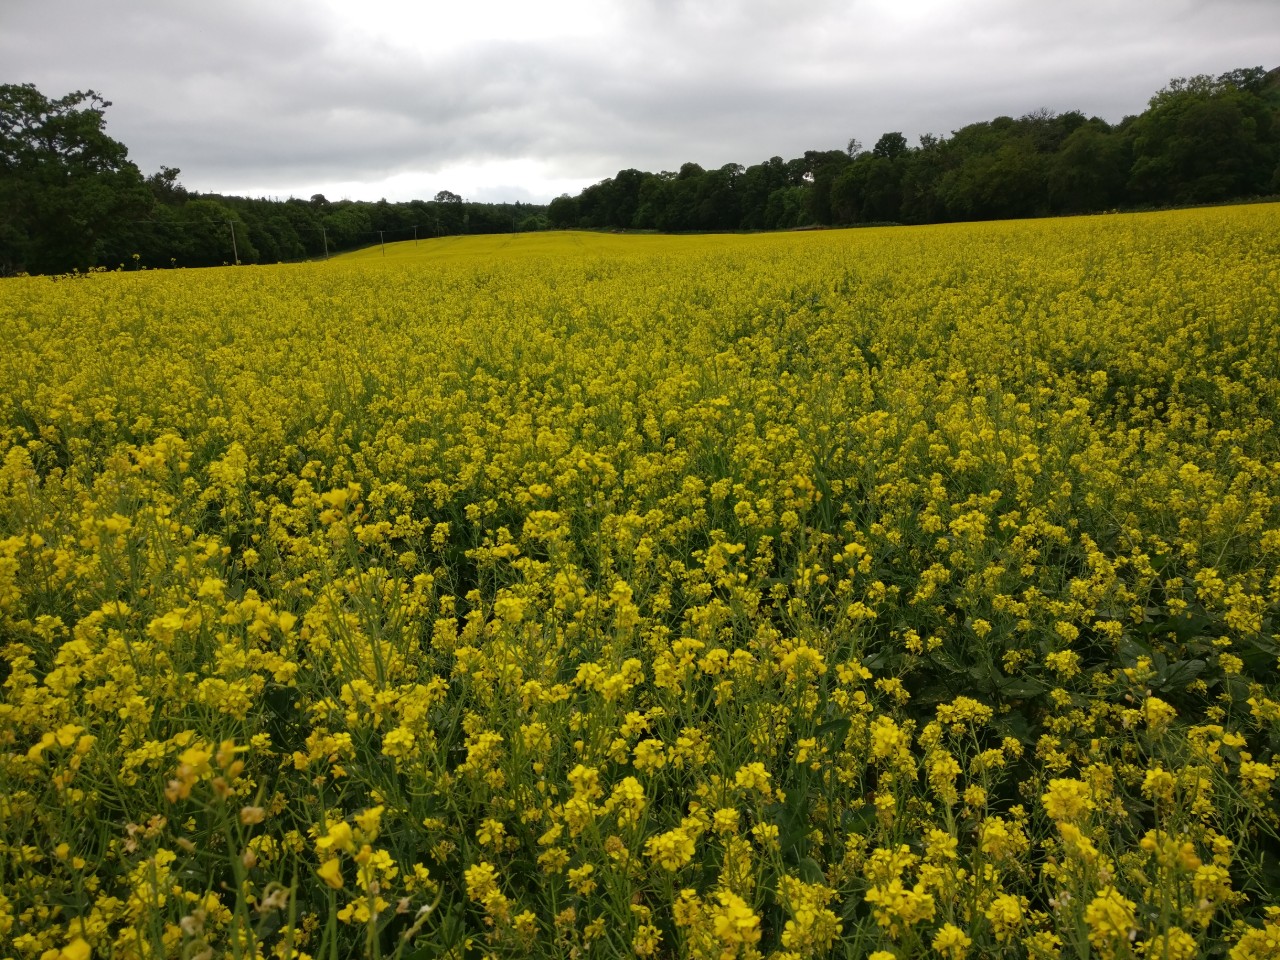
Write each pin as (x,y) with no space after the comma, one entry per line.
(649,755)
(725,821)
(398,743)
(490,832)
(754,776)
(672,850)
(1111,921)
(481,880)
(1257,777)
(368,824)
(1065,663)
(735,924)
(1159,784)
(331,873)
(1067,799)
(897,908)
(251,815)
(580,879)
(1259,943)
(626,802)
(1174,944)
(1159,715)
(1001,840)
(646,940)
(890,742)
(339,837)
(963,711)
(1043,945)
(952,942)
(812,927)
(1005,914)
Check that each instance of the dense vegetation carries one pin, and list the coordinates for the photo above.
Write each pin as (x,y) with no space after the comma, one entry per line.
(878,594)
(1200,140)
(70,198)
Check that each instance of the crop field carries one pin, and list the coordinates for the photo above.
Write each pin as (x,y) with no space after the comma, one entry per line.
(884,593)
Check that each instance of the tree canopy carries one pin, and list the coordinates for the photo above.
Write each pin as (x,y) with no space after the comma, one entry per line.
(70,198)
(64,184)
(1201,140)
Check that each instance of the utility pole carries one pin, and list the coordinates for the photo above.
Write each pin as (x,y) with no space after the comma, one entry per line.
(383,241)
(325,237)
(415,234)
(235,253)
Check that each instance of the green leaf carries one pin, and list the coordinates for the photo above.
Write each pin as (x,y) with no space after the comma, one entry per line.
(1023,688)
(1178,675)
(1015,724)
(810,871)
(836,729)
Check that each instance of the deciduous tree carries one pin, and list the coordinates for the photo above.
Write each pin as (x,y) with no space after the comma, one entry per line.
(63,182)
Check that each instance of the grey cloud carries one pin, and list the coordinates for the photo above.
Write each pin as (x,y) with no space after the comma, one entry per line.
(271,94)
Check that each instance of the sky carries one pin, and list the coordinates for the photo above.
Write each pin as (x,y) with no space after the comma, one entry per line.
(506,100)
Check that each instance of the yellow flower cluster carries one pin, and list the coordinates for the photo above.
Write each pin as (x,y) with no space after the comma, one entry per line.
(889,593)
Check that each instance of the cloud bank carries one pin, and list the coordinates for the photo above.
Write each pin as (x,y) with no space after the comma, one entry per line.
(503,100)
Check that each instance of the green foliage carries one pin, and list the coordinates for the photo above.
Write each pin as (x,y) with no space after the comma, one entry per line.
(1202,139)
(1205,140)
(63,181)
(70,199)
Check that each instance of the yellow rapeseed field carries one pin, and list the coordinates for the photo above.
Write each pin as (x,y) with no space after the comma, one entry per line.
(879,593)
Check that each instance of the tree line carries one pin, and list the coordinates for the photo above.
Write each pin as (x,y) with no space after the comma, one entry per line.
(70,198)
(1201,140)
(188,229)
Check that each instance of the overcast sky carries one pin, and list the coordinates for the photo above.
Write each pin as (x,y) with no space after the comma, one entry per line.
(525,99)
